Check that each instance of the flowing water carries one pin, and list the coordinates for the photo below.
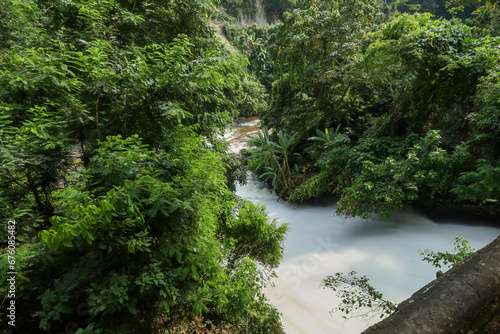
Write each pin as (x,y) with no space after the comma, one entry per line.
(320,244)
(259,17)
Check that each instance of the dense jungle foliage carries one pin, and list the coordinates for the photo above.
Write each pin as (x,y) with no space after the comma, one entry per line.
(383,109)
(245,10)
(113,169)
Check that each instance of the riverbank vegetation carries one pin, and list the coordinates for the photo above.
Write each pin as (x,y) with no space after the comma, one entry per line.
(384,111)
(116,193)
(114,178)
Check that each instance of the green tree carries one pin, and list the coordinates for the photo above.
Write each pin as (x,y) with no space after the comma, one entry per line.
(437,66)
(167,233)
(274,160)
(486,14)
(112,165)
(252,42)
(416,99)
(314,49)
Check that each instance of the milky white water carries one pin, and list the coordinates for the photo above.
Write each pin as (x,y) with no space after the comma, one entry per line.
(320,244)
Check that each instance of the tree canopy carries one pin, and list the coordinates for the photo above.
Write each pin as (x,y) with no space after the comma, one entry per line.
(384,110)
(116,176)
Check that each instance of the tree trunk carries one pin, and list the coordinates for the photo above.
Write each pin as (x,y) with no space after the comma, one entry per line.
(466,299)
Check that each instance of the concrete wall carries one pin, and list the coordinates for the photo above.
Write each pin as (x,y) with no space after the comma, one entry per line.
(466,299)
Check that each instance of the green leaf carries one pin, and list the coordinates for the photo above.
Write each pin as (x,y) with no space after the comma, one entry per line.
(132,309)
(67,243)
(108,216)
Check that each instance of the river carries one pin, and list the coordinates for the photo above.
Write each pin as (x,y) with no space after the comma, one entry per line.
(320,243)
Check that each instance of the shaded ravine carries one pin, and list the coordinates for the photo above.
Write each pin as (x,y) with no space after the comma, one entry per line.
(320,244)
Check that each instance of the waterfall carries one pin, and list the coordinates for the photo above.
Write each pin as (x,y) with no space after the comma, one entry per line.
(259,17)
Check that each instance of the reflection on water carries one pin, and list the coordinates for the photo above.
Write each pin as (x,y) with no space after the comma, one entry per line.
(320,244)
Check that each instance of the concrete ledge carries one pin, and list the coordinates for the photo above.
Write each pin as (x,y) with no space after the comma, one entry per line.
(466,299)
